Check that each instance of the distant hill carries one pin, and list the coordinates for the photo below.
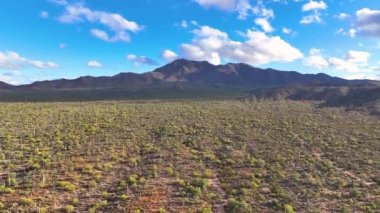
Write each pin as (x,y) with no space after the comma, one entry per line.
(187,72)
(5,86)
(179,79)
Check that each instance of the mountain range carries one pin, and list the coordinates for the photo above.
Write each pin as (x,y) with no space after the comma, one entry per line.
(178,79)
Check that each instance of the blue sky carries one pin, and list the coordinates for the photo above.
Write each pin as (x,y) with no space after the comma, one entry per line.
(50,39)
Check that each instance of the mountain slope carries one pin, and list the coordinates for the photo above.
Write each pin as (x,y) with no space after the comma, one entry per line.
(191,73)
(5,86)
(180,79)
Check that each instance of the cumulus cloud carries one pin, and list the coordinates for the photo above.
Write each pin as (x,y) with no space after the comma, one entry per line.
(367,23)
(357,56)
(264,24)
(316,60)
(184,24)
(342,16)
(141,60)
(286,30)
(12,60)
(114,22)
(94,64)
(353,61)
(169,55)
(315,7)
(313,18)
(214,45)
(103,35)
(243,7)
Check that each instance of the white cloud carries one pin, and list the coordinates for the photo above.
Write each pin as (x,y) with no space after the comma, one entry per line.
(286,30)
(207,31)
(354,61)
(103,35)
(60,2)
(221,4)
(243,7)
(141,60)
(352,32)
(367,23)
(264,24)
(169,55)
(113,21)
(313,18)
(44,14)
(100,34)
(184,24)
(314,5)
(194,23)
(214,45)
(316,60)
(340,31)
(357,56)
(94,64)
(342,16)
(12,60)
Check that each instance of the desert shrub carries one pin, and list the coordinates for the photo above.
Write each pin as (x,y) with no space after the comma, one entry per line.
(88,169)
(66,186)
(100,205)
(26,201)
(69,209)
(12,179)
(208,173)
(6,190)
(206,210)
(199,182)
(170,171)
(124,197)
(132,180)
(235,206)
(75,201)
(289,208)
(141,181)
(180,182)
(134,161)
(195,192)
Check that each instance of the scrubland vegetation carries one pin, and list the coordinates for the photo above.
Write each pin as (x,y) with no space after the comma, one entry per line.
(188,157)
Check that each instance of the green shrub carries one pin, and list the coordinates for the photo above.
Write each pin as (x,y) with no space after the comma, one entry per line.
(124,197)
(75,201)
(69,209)
(66,186)
(170,171)
(206,210)
(235,206)
(132,180)
(289,208)
(26,201)
(6,190)
(88,169)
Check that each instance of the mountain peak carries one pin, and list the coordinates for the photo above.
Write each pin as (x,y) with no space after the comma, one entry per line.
(182,67)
